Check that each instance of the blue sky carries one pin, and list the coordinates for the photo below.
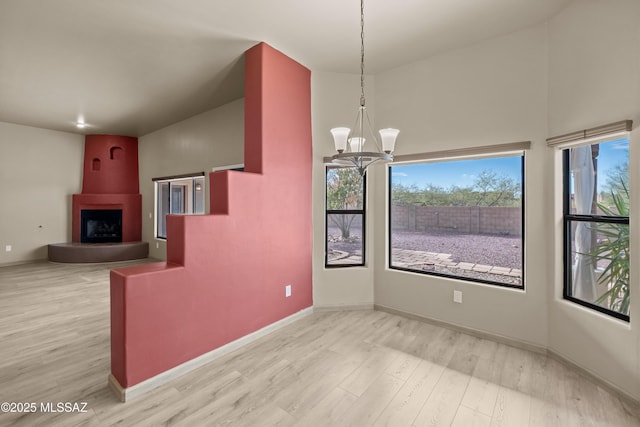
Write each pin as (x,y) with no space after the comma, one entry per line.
(611,154)
(463,173)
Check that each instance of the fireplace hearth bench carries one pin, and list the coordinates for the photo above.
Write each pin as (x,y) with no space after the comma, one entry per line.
(97,252)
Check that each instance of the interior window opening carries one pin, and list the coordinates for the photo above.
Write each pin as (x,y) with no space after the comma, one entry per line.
(178,196)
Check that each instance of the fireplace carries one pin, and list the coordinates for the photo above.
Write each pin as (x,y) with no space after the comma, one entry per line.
(106,217)
(100,225)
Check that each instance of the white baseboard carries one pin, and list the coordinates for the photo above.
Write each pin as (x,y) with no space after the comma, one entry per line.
(343,307)
(607,385)
(116,388)
(513,342)
(127,393)
(536,348)
(26,261)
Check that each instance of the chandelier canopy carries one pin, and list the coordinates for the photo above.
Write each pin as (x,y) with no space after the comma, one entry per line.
(353,153)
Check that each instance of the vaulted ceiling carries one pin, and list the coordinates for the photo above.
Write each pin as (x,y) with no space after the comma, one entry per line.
(130,67)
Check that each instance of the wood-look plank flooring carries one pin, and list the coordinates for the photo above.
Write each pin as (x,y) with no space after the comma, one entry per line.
(346,368)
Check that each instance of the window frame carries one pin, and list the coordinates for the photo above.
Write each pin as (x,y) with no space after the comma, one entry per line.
(488,155)
(168,180)
(361,212)
(567,219)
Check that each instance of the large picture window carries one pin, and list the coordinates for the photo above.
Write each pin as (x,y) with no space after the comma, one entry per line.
(345,217)
(596,226)
(177,195)
(459,218)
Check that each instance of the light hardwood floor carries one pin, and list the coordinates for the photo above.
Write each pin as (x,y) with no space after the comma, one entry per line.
(355,368)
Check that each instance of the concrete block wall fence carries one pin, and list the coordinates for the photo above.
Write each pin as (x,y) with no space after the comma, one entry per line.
(461,219)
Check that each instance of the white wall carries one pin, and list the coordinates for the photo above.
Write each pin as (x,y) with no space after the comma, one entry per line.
(594,79)
(491,93)
(580,69)
(334,102)
(594,64)
(213,138)
(39,171)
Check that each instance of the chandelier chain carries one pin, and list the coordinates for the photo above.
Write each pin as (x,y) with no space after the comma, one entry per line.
(362,101)
(355,155)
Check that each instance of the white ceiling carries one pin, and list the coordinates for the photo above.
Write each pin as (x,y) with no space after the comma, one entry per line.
(134,66)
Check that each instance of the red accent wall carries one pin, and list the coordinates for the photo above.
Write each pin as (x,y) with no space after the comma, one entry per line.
(110,165)
(226,272)
(110,181)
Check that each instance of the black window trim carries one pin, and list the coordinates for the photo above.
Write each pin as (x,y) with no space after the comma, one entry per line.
(177,177)
(450,276)
(328,212)
(567,219)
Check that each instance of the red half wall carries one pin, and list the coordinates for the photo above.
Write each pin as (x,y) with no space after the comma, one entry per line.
(226,272)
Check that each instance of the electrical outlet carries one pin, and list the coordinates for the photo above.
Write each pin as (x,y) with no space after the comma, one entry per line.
(457,297)
(7,248)
(287,291)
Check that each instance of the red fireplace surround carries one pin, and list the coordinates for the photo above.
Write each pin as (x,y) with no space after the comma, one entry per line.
(110,181)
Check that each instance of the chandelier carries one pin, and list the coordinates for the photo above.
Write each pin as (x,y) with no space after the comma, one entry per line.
(353,153)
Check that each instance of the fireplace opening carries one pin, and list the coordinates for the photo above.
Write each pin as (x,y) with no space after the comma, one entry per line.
(100,225)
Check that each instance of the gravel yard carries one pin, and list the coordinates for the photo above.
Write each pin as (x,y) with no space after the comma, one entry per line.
(484,249)
(503,251)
